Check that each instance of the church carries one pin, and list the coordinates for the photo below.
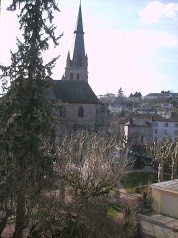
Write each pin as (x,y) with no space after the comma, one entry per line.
(82,109)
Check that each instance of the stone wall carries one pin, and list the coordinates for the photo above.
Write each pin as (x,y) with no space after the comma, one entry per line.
(89,118)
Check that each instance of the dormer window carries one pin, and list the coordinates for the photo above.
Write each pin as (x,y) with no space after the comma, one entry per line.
(81,112)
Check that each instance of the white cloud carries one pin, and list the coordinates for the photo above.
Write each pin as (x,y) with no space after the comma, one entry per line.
(155,10)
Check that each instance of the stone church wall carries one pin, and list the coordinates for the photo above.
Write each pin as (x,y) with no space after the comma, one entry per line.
(102,118)
(89,118)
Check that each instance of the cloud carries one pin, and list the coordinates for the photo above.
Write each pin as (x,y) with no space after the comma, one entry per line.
(155,10)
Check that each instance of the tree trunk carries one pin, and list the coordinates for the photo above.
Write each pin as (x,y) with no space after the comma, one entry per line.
(175,170)
(20,215)
(62,191)
(3,222)
(160,171)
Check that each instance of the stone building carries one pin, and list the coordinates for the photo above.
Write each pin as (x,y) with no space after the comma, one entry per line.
(82,108)
(165,198)
(148,128)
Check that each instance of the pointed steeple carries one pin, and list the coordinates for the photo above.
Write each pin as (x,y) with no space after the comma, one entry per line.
(79,47)
(77,64)
(68,60)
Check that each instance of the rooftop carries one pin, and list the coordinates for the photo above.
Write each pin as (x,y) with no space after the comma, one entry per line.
(171,185)
(73,91)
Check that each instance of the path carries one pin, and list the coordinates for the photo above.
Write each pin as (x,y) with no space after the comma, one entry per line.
(124,196)
(123,193)
(8,231)
(146,169)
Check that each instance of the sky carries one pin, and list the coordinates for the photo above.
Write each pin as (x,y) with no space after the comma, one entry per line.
(131,44)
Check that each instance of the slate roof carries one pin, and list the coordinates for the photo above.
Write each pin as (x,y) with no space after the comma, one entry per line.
(171,185)
(73,91)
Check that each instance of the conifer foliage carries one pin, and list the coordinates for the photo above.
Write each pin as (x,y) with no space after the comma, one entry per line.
(26,114)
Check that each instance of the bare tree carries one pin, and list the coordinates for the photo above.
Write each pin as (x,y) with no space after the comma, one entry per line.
(88,166)
(164,151)
(91,163)
(174,157)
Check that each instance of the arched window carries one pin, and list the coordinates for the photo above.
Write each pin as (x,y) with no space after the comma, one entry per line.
(71,76)
(81,112)
(78,76)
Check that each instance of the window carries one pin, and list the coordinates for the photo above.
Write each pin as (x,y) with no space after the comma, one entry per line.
(81,112)
(141,138)
(156,124)
(176,125)
(165,132)
(165,124)
(78,76)
(156,131)
(71,76)
(176,132)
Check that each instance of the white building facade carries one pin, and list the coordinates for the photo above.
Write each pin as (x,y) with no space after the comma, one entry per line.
(148,128)
(165,128)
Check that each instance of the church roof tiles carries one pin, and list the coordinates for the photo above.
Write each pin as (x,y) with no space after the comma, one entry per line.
(74,91)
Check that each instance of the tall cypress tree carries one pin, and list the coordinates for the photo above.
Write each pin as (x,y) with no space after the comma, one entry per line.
(26,114)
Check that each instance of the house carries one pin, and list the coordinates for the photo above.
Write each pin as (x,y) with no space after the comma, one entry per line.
(148,128)
(107,98)
(165,110)
(144,110)
(165,198)
(160,96)
(163,128)
(134,99)
(139,128)
(114,108)
(82,110)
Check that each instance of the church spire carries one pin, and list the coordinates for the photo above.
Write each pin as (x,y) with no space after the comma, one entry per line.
(77,65)
(79,47)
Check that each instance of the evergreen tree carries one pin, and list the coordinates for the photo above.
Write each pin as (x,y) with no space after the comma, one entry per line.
(26,114)
(137,94)
(131,95)
(120,93)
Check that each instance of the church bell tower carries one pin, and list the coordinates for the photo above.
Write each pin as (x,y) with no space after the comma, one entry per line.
(77,65)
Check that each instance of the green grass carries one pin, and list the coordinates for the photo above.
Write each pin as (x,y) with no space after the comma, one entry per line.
(137,182)
(114,210)
(153,104)
(10,220)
